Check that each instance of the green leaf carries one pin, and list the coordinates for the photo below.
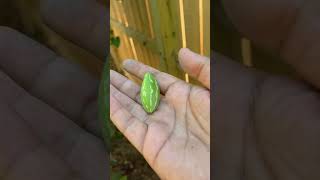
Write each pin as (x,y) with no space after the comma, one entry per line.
(115,41)
(123,178)
(118,176)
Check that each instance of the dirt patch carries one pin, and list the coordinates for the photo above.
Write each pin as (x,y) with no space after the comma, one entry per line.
(126,159)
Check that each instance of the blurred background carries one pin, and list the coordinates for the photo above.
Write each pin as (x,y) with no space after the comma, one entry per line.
(231,43)
(25,17)
(152,32)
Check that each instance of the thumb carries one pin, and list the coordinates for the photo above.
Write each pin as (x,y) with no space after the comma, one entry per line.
(195,65)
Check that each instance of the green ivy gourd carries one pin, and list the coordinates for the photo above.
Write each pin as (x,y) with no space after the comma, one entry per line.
(150,93)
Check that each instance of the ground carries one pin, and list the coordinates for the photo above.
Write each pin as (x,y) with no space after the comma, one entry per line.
(126,159)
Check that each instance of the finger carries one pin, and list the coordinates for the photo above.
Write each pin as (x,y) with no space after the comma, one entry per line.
(289,28)
(195,65)
(51,129)
(233,92)
(125,85)
(42,73)
(130,105)
(84,22)
(132,128)
(138,69)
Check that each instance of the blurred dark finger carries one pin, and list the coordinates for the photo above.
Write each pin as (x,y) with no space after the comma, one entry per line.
(233,87)
(30,125)
(61,84)
(289,28)
(84,22)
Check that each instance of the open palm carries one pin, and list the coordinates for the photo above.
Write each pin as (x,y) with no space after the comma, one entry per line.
(48,106)
(267,126)
(175,139)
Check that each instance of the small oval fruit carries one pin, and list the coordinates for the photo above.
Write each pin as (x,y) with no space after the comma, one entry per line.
(150,93)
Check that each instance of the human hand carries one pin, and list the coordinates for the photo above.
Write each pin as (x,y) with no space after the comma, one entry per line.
(267,126)
(175,139)
(48,107)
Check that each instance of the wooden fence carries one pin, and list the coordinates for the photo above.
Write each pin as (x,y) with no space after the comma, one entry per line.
(153,31)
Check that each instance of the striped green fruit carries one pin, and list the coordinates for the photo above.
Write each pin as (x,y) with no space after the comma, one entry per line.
(150,93)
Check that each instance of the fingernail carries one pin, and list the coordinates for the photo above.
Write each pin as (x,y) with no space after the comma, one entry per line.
(127,63)
(184,51)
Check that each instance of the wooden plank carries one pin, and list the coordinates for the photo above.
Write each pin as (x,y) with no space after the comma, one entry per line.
(165,31)
(123,13)
(145,54)
(149,57)
(112,13)
(155,16)
(139,51)
(192,23)
(117,11)
(156,60)
(175,7)
(125,50)
(207,22)
(136,15)
(148,8)
(129,12)
(144,17)
(142,38)
(140,28)
(124,45)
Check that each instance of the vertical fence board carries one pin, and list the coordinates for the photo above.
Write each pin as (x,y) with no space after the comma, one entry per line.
(117,12)
(125,46)
(174,8)
(136,15)
(206,28)
(129,14)
(191,12)
(164,20)
(144,17)
(153,7)
(112,11)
